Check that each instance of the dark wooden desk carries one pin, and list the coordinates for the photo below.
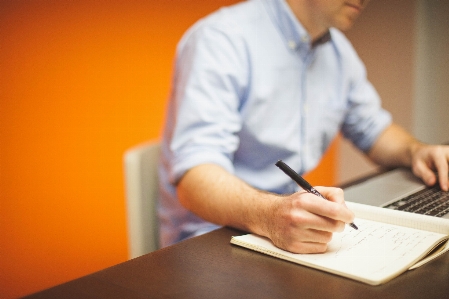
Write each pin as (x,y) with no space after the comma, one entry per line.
(210,267)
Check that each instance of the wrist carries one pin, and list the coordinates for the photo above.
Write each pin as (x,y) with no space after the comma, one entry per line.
(264,213)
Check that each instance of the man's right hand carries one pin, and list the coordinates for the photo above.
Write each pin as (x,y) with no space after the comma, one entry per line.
(304,223)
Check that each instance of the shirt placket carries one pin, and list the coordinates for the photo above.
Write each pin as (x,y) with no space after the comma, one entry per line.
(307,55)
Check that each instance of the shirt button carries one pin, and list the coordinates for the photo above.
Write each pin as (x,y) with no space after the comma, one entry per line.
(305,38)
(291,44)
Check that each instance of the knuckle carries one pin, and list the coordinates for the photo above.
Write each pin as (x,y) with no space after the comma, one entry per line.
(302,200)
(298,219)
(339,191)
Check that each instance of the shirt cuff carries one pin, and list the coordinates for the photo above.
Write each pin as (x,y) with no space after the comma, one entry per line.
(382,122)
(182,165)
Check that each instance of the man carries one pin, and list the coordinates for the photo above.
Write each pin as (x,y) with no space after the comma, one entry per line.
(265,80)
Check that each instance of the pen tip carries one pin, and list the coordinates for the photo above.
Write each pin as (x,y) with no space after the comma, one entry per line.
(353,226)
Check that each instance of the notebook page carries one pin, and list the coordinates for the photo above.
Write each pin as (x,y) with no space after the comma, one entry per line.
(429,223)
(375,253)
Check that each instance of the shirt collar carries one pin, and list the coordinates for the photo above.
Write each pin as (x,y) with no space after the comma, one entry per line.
(323,39)
(296,36)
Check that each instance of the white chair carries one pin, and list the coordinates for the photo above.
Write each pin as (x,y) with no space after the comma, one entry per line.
(141,188)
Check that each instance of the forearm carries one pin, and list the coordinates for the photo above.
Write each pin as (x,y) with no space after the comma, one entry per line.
(219,197)
(300,222)
(394,147)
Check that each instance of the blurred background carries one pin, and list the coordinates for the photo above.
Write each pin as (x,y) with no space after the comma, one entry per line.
(81,81)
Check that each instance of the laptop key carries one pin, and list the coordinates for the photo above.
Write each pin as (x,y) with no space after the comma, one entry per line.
(430,201)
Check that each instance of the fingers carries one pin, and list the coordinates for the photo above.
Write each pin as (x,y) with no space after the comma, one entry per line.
(423,171)
(332,193)
(441,165)
(311,241)
(302,240)
(311,212)
(333,208)
(304,223)
(428,159)
(311,220)
(443,179)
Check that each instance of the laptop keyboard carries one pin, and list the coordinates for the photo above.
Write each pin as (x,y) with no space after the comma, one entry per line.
(430,201)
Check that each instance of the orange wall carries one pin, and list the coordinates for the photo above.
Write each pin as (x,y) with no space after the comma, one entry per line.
(80,82)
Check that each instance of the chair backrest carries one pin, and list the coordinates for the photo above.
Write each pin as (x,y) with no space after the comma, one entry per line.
(141,188)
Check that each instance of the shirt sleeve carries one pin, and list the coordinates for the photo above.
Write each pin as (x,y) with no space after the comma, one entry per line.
(209,84)
(365,119)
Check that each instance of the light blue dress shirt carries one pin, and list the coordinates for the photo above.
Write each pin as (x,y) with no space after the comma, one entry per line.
(249,89)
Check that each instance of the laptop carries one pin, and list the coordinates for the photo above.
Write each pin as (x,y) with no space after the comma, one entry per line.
(399,189)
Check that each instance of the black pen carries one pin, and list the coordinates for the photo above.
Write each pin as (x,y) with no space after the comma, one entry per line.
(302,182)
